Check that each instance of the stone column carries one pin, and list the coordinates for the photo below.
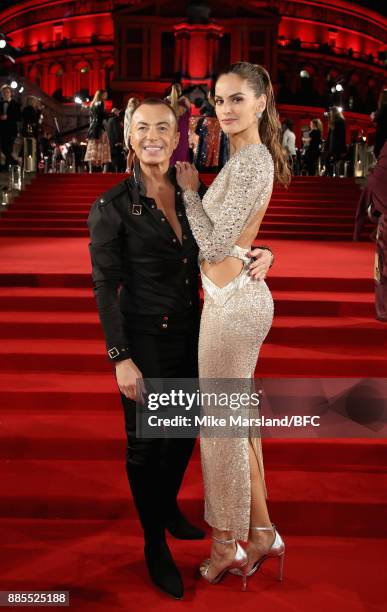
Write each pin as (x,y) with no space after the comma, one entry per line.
(198,45)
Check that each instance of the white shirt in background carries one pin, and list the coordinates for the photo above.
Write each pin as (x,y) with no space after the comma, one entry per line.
(289,142)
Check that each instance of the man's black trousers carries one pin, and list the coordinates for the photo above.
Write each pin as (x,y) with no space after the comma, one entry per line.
(155,467)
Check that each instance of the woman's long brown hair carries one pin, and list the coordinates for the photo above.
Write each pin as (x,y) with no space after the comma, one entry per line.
(269,125)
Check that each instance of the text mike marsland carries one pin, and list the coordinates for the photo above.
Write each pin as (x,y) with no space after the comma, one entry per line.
(233,420)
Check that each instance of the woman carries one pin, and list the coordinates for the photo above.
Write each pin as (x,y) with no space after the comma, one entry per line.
(130,108)
(336,141)
(212,149)
(182,108)
(314,148)
(225,223)
(98,147)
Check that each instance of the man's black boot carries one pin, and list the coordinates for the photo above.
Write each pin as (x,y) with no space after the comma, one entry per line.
(181,528)
(176,455)
(162,569)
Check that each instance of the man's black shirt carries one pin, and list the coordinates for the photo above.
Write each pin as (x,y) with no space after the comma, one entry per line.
(144,279)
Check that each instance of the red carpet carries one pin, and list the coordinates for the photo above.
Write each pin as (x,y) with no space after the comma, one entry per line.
(312,208)
(66,518)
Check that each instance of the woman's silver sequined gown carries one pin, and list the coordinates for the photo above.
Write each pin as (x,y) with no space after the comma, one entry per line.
(235,320)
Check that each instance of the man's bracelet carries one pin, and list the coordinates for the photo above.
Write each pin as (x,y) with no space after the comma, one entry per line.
(266,248)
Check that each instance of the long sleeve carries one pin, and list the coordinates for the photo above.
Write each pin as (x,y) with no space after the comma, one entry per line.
(106,250)
(250,173)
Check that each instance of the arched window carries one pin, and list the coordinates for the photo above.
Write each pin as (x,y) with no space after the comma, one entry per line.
(56,77)
(83,78)
(306,92)
(109,73)
(35,75)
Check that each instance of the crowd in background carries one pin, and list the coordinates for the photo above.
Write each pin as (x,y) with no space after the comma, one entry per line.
(202,142)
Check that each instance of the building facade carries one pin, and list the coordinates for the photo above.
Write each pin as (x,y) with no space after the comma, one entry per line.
(137,47)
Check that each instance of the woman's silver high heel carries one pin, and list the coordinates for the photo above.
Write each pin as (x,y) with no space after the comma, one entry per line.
(239,564)
(276,550)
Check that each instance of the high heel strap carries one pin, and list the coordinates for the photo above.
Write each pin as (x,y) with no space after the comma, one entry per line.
(263,528)
(223,541)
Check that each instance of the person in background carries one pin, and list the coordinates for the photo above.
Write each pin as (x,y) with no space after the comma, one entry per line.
(289,144)
(313,151)
(182,108)
(46,150)
(380,119)
(130,108)
(115,131)
(9,117)
(336,141)
(31,123)
(98,149)
(30,118)
(75,154)
(57,156)
(373,201)
(212,149)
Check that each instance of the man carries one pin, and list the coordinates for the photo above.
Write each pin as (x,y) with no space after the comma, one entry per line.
(9,116)
(115,132)
(141,241)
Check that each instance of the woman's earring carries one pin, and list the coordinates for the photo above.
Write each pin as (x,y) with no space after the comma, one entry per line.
(258,114)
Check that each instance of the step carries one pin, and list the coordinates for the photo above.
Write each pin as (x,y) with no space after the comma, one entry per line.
(67,224)
(280,223)
(85,434)
(51,298)
(297,226)
(12,213)
(56,198)
(83,391)
(54,207)
(328,359)
(323,503)
(320,303)
(296,330)
(345,331)
(270,234)
(282,283)
(332,236)
(306,303)
(273,214)
(53,232)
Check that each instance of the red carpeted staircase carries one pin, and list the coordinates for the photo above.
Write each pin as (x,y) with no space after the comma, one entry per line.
(66,518)
(312,208)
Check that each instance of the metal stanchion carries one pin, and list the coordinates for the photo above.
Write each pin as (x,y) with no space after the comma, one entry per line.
(29,157)
(360,154)
(5,197)
(15,182)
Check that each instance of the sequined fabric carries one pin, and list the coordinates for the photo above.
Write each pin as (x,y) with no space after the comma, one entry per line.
(240,189)
(235,321)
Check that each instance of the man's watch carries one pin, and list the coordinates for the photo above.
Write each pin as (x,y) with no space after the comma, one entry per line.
(118,354)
